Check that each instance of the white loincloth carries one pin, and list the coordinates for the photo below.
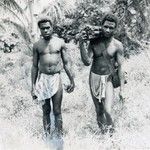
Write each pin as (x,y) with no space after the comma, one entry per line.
(98,85)
(47,86)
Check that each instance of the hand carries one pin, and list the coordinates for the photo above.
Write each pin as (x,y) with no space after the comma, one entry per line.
(34,97)
(94,32)
(70,88)
(121,96)
(83,35)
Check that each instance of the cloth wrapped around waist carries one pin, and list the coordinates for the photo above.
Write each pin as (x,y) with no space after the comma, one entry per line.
(98,85)
(47,86)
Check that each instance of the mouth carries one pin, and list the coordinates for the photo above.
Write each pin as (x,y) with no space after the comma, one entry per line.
(107,34)
(46,34)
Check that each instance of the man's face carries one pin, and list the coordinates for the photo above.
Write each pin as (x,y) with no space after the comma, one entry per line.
(46,30)
(108,28)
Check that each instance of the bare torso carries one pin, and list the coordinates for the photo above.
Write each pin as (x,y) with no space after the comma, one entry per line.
(50,61)
(102,55)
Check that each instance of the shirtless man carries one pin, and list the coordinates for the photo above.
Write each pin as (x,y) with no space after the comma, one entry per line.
(49,58)
(102,52)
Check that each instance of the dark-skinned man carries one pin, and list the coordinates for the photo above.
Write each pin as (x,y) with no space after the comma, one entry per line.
(49,58)
(103,52)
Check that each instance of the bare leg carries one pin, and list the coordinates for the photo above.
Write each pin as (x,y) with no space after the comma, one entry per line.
(46,116)
(99,107)
(108,102)
(57,100)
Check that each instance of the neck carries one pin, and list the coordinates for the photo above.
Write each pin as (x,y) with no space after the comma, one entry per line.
(108,39)
(47,38)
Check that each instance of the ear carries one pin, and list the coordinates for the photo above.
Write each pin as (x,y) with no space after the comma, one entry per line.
(116,30)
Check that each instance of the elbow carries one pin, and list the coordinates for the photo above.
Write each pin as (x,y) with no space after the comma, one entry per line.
(66,66)
(34,68)
(87,63)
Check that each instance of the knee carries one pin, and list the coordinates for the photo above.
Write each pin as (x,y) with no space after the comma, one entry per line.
(46,110)
(99,113)
(57,112)
(108,111)
(100,110)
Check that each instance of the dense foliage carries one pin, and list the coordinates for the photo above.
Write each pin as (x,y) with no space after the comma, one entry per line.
(133,30)
(132,16)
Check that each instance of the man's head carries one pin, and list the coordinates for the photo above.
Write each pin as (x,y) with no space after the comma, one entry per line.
(109,25)
(46,27)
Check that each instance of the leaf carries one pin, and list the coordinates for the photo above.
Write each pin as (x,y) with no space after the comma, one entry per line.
(12,4)
(21,29)
(2,28)
(6,8)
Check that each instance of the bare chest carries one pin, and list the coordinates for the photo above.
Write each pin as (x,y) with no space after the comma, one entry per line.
(53,47)
(101,47)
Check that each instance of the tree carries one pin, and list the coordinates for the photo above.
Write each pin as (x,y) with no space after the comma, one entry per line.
(69,21)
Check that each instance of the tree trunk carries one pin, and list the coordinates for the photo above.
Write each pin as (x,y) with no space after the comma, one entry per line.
(31,25)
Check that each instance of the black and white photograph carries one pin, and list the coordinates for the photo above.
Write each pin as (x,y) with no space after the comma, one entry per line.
(75,74)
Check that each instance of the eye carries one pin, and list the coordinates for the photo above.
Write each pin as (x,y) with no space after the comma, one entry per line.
(42,28)
(47,28)
(111,28)
(106,27)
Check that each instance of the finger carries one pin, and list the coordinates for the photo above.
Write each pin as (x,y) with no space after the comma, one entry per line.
(67,88)
(70,89)
(83,32)
(121,98)
(35,101)
(84,37)
(33,93)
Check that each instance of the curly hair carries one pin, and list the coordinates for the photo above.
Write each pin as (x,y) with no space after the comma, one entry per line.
(111,18)
(44,19)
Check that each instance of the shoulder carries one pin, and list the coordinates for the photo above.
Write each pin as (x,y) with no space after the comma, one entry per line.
(58,40)
(118,45)
(55,37)
(37,44)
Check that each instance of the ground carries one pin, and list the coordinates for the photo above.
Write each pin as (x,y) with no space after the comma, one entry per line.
(21,120)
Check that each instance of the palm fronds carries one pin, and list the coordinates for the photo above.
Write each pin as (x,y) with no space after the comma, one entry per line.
(54,10)
(12,4)
(12,12)
(22,30)
(2,28)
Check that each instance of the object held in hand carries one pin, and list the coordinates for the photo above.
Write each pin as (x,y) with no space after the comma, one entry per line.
(91,32)
(34,97)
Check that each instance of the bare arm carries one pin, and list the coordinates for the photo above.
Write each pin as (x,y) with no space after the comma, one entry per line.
(120,60)
(34,70)
(67,67)
(86,52)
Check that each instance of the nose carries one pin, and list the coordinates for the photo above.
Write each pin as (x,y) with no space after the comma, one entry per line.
(45,30)
(107,30)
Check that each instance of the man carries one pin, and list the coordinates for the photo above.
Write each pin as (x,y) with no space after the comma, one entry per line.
(103,51)
(49,58)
